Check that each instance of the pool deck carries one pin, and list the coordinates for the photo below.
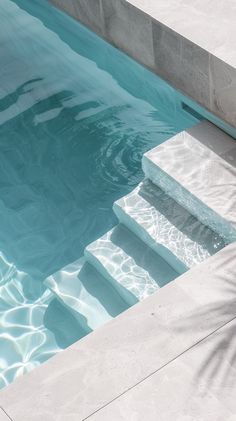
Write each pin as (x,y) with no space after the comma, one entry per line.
(173,355)
(190,43)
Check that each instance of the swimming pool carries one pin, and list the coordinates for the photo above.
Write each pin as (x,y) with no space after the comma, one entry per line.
(76,116)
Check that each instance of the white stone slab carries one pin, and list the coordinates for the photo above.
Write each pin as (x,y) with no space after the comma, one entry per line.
(207,24)
(131,267)
(166,227)
(192,47)
(125,351)
(199,386)
(87,294)
(3,416)
(198,169)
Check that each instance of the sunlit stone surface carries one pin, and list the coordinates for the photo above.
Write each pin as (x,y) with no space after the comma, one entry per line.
(190,43)
(107,366)
(76,117)
(87,294)
(197,168)
(129,264)
(167,227)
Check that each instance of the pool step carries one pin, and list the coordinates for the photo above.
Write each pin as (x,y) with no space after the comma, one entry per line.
(158,237)
(89,296)
(134,269)
(166,227)
(198,169)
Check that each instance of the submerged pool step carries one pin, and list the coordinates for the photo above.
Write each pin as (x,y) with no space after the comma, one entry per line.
(91,299)
(166,227)
(198,169)
(134,269)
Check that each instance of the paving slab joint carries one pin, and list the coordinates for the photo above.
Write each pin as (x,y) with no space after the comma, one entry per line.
(5,414)
(159,369)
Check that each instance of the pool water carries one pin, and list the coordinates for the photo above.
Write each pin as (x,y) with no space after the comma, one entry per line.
(76,116)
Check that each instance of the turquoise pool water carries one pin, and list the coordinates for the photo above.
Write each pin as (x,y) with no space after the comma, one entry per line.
(76,115)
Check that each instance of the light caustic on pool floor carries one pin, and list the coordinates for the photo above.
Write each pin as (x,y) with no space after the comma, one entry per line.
(73,128)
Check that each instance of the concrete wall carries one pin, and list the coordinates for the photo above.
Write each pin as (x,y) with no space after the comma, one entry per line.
(190,68)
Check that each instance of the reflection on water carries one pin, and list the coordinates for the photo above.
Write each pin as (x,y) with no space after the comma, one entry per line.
(71,141)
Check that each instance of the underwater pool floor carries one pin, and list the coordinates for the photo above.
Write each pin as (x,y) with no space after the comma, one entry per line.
(76,116)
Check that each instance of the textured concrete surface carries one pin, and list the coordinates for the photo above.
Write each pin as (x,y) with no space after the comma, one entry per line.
(171,356)
(198,168)
(3,416)
(126,262)
(167,227)
(197,21)
(189,43)
(198,386)
(129,29)
(107,363)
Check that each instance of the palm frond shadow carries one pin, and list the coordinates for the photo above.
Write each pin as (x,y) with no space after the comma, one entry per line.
(215,322)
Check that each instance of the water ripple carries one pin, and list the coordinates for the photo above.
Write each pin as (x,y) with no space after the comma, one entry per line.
(71,142)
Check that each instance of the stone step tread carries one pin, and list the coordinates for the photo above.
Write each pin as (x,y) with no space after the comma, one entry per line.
(135,269)
(86,293)
(197,168)
(166,226)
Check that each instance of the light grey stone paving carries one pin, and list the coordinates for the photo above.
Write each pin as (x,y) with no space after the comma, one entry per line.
(223,89)
(199,386)
(125,351)
(128,263)
(158,343)
(3,416)
(167,227)
(182,63)
(189,43)
(198,169)
(192,19)
(207,24)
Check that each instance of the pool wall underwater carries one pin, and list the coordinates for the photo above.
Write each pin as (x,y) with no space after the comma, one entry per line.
(146,33)
(76,117)
(63,148)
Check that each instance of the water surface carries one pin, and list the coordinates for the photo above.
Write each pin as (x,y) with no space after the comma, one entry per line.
(76,115)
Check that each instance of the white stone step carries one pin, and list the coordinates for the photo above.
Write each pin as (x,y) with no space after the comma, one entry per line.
(167,227)
(134,269)
(87,294)
(198,169)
